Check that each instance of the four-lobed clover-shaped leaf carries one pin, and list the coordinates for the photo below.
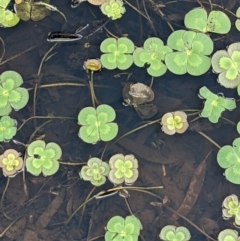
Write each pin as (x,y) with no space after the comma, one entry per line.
(192,50)
(114,9)
(175,122)
(227,65)
(27,10)
(120,229)
(11,163)
(95,171)
(117,53)
(173,233)
(97,124)
(8,128)
(214,105)
(228,235)
(43,158)
(231,208)
(152,53)
(215,22)
(228,158)
(11,95)
(123,169)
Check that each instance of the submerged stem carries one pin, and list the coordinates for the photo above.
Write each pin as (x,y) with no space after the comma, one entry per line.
(44,117)
(83,204)
(209,139)
(2,198)
(177,213)
(58,85)
(134,8)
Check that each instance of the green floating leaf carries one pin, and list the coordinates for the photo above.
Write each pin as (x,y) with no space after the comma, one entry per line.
(96,124)
(117,53)
(227,63)
(11,95)
(228,158)
(216,22)
(153,53)
(190,58)
(43,158)
(215,105)
(238,127)
(113,9)
(237,24)
(95,171)
(119,229)
(238,90)
(4,3)
(8,128)
(196,19)
(228,235)
(10,19)
(108,45)
(171,232)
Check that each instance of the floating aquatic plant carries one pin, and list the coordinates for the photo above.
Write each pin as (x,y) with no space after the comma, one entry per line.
(139,95)
(227,65)
(214,105)
(238,90)
(228,235)
(11,95)
(120,229)
(238,127)
(114,9)
(173,233)
(27,10)
(97,124)
(192,50)
(95,171)
(175,122)
(117,53)
(228,158)
(237,22)
(153,54)
(123,169)
(11,163)
(8,128)
(7,17)
(43,158)
(231,209)
(92,65)
(215,22)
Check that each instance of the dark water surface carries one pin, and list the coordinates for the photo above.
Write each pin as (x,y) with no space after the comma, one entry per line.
(50,201)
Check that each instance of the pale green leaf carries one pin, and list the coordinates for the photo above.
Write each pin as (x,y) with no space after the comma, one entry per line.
(177,62)
(87,116)
(109,45)
(125,45)
(109,61)
(196,19)
(218,22)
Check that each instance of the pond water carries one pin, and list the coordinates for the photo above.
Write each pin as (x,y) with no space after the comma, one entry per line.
(168,161)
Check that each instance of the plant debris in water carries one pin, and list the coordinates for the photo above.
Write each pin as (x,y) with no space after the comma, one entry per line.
(139,95)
